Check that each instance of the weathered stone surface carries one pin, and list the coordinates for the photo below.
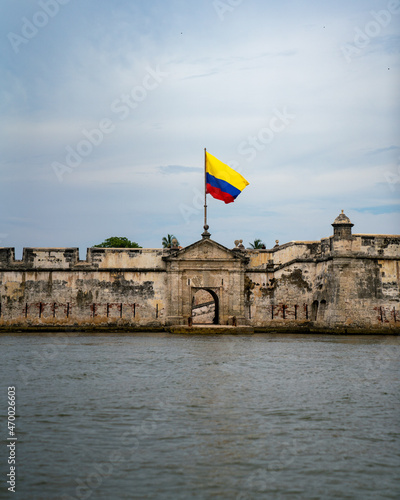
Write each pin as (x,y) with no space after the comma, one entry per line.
(343,283)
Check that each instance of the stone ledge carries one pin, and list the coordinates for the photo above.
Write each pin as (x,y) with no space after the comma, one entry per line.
(209,329)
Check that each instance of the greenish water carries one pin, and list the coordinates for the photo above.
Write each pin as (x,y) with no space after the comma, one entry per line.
(157,416)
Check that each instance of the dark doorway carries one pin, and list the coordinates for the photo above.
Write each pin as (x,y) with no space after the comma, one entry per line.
(205,309)
(314,310)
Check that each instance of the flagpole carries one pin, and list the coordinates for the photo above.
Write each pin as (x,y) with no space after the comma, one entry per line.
(205,188)
(206,234)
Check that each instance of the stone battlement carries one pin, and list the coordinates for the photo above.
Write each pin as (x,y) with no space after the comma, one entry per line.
(68,258)
(39,258)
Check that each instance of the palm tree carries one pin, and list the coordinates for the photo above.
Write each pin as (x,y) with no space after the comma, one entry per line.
(170,241)
(257,245)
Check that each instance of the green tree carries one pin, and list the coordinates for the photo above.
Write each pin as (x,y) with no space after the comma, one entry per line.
(257,244)
(167,241)
(118,242)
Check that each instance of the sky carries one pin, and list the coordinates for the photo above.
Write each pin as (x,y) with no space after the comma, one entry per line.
(106,108)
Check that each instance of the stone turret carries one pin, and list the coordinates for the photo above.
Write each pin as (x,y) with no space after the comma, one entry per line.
(342,227)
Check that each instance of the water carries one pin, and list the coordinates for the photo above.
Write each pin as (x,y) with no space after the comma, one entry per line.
(157,416)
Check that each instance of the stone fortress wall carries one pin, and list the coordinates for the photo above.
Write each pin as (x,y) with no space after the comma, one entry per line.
(344,283)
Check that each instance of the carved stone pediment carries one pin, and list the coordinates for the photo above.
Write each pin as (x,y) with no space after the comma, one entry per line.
(208,250)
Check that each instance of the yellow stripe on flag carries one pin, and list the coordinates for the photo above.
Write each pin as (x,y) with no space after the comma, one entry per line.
(224,172)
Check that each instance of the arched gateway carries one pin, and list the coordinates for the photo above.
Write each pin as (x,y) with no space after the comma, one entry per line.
(205,307)
(208,269)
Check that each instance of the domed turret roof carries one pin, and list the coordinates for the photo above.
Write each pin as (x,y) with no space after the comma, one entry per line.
(342,219)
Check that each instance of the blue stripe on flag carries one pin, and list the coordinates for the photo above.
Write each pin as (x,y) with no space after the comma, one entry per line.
(222,185)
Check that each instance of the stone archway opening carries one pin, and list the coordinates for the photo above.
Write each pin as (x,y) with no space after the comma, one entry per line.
(205,307)
(314,310)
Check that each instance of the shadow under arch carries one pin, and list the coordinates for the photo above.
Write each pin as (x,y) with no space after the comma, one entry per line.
(205,307)
(314,310)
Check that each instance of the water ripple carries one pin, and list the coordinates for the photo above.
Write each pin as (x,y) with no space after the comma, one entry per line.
(225,417)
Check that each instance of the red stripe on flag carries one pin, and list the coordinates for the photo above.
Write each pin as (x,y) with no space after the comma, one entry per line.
(219,195)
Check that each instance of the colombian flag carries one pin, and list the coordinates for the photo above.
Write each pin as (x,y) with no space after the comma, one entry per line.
(222,182)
